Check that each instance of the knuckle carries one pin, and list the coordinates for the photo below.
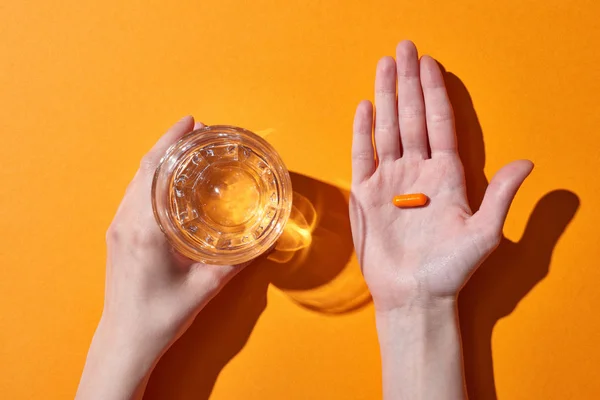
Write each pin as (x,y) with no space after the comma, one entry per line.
(444,114)
(362,156)
(130,186)
(404,72)
(411,112)
(212,283)
(489,238)
(132,235)
(148,164)
(362,130)
(386,65)
(385,93)
(385,125)
(407,73)
(432,85)
(113,233)
(494,237)
(144,237)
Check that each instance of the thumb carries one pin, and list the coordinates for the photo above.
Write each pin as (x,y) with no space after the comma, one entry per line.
(499,195)
(206,280)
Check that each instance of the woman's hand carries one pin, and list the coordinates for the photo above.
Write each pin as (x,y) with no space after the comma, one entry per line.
(415,256)
(415,260)
(152,293)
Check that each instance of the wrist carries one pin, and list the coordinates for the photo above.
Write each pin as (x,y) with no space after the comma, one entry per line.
(112,352)
(130,343)
(117,366)
(419,317)
(417,306)
(410,301)
(420,344)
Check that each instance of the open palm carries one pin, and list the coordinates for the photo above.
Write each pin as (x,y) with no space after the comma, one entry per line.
(415,255)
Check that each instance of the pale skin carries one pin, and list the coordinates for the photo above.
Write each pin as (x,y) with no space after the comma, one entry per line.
(152,294)
(415,261)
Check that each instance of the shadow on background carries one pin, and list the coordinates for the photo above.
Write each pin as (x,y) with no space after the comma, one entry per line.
(313,263)
(506,277)
(317,268)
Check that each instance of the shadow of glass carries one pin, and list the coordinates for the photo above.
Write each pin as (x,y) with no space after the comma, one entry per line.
(313,263)
(322,273)
(505,278)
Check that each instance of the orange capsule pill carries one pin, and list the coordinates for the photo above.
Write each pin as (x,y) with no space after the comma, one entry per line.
(410,200)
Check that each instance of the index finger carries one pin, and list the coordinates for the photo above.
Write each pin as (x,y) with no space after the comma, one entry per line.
(138,191)
(152,158)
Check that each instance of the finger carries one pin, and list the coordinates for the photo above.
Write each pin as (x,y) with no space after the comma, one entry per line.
(199,125)
(136,207)
(411,107)
(208,280)
(489,220)
(363,154)
(139,186)
(438,110)
(387,134)
(152,158)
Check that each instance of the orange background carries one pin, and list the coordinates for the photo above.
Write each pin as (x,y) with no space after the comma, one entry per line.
(87,87)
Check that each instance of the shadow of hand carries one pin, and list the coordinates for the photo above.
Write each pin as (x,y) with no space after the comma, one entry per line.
(504,279)
(192,365)
(509,274)
(315,267)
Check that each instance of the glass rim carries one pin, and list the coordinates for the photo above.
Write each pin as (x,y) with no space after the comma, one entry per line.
(161,197)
